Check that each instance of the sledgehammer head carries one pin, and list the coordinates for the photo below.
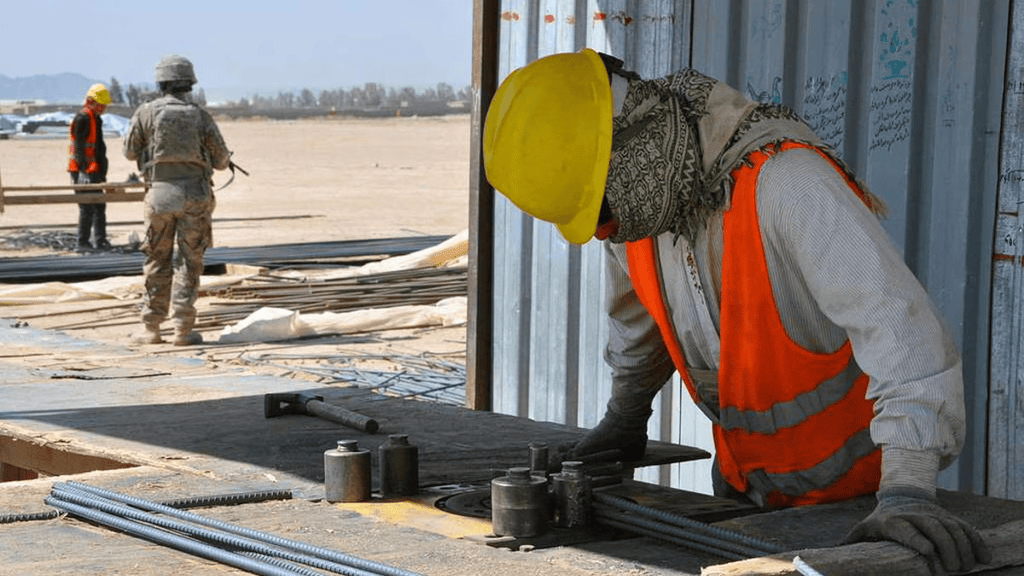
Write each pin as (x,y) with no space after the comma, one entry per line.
(287,403)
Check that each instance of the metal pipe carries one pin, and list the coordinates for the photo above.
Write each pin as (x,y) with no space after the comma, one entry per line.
(63,496)
(342,416)
(324,553)
(174,541)
(683,522)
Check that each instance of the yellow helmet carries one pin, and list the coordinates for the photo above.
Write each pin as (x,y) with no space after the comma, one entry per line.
(548,140)
(99,93)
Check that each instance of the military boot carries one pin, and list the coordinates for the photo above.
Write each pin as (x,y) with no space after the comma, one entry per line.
(151,335)
(190,338)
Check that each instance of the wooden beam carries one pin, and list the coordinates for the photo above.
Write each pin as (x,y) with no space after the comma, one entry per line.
(79,187)
(42,458)
(102,196)
(875,558)
(87,198)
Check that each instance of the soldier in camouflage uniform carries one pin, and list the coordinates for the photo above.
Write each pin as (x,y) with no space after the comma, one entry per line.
(177,145)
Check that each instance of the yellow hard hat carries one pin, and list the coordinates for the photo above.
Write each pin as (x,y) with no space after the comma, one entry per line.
(548,140)
(99,93)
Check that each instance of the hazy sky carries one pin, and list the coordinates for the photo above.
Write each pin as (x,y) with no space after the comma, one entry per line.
(244,47)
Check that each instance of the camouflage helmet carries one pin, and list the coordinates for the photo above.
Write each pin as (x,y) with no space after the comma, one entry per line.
(175,68)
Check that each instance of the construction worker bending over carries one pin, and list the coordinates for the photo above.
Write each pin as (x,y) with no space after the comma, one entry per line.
(87,164)
(177,146)
(743,254)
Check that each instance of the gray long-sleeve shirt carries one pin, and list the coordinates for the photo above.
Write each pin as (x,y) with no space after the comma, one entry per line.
(835,275)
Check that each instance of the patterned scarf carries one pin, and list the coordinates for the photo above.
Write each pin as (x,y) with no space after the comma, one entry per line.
(675,145)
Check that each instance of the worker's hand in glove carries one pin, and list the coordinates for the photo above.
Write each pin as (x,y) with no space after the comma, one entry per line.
(915,519)
(84,178)
(614,432)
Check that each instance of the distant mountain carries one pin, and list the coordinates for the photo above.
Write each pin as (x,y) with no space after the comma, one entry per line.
(66,88)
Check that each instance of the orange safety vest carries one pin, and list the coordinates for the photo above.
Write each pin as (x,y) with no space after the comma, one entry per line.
(90,144)
(793,424)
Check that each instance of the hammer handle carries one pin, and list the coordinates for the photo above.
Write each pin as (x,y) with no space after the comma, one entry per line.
(342,416)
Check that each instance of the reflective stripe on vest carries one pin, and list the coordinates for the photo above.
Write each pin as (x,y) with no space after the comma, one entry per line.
(89,146)
(793,424)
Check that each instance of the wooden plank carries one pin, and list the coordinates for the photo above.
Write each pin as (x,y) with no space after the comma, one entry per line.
(88,198)
(119,194)
(875,558)
(97,186)
(33,456)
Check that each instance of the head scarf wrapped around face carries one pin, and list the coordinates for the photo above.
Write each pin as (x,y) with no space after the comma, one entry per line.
(675,145)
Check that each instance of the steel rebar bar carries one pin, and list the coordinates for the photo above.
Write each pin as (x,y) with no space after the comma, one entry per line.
(165,538)
(674,519)
(316,551)
(654,528)
(234,543)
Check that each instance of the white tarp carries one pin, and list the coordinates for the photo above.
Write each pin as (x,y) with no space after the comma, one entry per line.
(113,288)
(271,324)
(450,253)
(112,123)
(267,324)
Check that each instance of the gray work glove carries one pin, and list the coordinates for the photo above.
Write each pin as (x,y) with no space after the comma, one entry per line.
(628,434)
(84,178)
(914,518)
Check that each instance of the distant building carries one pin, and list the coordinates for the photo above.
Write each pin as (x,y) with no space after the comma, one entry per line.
(20,107)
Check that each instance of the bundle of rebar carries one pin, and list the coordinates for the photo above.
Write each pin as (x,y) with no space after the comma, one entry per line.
(631,517)
(419,377)
(307,254)
(420,286)
(243,548)
(53,240)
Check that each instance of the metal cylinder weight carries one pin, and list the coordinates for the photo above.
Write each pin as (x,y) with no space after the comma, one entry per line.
(399,467)
(347,473)
(519,504)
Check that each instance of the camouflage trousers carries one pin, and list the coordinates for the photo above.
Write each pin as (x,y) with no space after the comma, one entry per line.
(179,229)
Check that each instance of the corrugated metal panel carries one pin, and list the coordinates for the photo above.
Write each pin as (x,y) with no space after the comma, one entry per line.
(908,93)
(1006,436)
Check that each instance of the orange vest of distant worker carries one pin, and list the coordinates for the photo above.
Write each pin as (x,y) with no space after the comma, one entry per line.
(90,145)
(793,423)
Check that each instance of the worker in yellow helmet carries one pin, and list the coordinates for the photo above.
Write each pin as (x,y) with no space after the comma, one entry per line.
(742,254)
(87,164)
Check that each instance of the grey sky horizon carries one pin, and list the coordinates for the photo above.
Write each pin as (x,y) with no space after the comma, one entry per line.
(243,48)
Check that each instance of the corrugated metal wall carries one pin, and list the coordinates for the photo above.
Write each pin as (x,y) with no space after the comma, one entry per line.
(909,92)
(1006,404)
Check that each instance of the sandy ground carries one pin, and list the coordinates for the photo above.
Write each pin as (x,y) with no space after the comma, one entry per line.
(353,178)
(336,179)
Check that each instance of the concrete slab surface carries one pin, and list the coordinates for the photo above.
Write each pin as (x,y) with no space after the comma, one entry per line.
(172,423)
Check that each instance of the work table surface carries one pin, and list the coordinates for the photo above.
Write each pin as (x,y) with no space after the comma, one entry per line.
(171,427)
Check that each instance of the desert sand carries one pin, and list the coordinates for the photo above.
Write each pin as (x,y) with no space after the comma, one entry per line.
(347,178)
(334,179)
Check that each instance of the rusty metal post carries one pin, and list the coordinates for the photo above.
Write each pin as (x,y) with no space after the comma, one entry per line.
(480,321)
